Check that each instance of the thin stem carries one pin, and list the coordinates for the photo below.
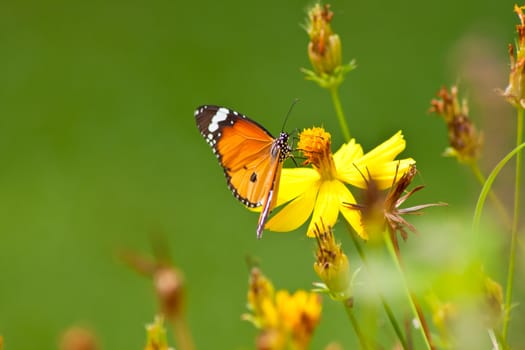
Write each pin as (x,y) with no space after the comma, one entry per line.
(488,184)
(388,310)
(348,305)
(414,304)
(182,334)
(514,230)
(334,92)
(474,166)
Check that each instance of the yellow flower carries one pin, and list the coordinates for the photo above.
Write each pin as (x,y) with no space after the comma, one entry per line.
(156,335)
(299,313)
(260,301)
(286,321)
(320,191)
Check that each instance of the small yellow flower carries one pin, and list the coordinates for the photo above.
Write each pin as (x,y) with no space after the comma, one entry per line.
(493,301)
(320,191)
(331,264)
(261,301)
(515,91)
(299,313)
(286,321)
(157,339)
(445,317)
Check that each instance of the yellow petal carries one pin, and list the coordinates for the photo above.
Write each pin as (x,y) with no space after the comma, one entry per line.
(295,181)
(384,175)
(352,216)
(326,206)
(379,163)
(388,150)
(347,155)
(295,213)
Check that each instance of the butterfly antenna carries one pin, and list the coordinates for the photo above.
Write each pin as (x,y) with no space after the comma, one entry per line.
(289,112)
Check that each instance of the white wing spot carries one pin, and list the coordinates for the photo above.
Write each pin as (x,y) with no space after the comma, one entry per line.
(220,116)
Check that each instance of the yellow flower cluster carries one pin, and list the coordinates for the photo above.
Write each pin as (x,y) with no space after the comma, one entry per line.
(285,320)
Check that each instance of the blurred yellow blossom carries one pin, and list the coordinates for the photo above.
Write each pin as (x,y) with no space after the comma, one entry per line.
(286,321)
(156,335)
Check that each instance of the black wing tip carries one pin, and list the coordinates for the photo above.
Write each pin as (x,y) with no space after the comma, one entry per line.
(202,108)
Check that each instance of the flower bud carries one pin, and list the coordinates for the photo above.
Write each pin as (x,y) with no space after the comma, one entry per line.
(324,48)
(331,264)
(76,338)
(515,91)
(464,140)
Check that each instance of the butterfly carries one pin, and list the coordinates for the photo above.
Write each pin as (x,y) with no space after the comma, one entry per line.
(251,157)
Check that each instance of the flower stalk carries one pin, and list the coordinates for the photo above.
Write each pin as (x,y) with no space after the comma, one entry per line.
(348,306)
(515,227)
(515,95)
(334,93)
(414,303)
(390,315)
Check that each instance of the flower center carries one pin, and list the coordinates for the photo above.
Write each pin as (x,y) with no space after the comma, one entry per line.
(315,145)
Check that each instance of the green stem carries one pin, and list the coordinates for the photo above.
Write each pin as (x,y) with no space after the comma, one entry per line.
(334,92)
(414,305)
(387,308)
(485,190)
(495,199)
(515,226)
(348,305)
(514,240)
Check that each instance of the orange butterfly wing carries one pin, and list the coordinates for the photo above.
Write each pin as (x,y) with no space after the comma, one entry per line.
(250,156)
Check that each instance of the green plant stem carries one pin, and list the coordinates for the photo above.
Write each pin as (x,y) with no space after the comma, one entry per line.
(348,305)
(474,166)
(334,92)
(514,237)
(388,310)
(485,190)
(414,304)
(515,226)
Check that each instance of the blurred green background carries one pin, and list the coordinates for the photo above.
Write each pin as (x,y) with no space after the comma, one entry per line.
(99,147)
